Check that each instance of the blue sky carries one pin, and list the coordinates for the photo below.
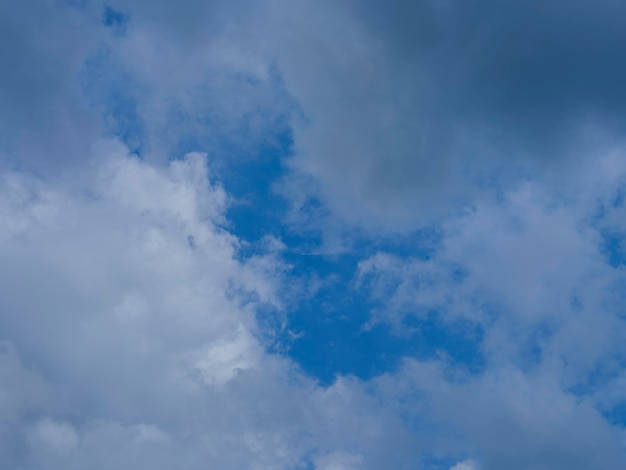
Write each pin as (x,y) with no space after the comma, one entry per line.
(325,235)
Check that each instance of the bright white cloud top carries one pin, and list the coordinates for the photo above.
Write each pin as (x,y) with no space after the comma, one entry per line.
(325,235)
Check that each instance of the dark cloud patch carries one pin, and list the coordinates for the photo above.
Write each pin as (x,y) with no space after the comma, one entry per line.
(529,72)
(43,118)
(414,108)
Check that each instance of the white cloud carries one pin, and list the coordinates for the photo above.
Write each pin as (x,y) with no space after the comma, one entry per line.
(531,271)
(531,263)
(510,418)
(130,329)
(465,465)
(59,436)
(339,461)
(145,345)
(223,359)
(150,432)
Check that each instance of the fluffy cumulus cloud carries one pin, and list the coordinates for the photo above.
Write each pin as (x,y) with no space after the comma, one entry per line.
(531,276)
(465,465)
(131,338)
(205,203)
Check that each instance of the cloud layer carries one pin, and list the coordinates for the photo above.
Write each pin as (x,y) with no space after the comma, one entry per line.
(143,326)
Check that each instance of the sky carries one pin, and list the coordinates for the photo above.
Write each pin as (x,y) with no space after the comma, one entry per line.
(312,234)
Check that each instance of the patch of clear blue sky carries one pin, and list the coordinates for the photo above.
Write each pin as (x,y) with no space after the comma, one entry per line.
(115,19)
(616,415)
(331,337)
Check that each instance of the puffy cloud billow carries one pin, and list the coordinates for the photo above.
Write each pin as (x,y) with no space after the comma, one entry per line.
(130,335)
(327,235)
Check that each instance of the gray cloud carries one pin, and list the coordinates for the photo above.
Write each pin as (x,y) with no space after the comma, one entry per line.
(414,104)
(127,345)
(44,121)
(529,72)
(411,108)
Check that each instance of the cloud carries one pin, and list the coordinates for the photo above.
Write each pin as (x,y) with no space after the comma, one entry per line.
(533,258)
(132,323)
(510,418)
(45,121)
(399,115)
(139,348)
(339,461)
(465,465)
(531,271)
(180,79)
(60,437)
(414,108)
